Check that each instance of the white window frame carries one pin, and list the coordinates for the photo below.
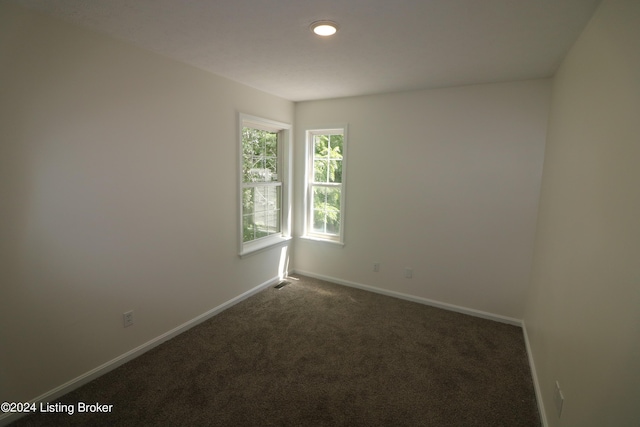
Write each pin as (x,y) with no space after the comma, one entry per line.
(284,168)
(309,233)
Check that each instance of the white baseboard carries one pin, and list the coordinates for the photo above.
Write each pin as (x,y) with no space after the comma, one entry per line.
(420,300)
(534,374)
(7,418)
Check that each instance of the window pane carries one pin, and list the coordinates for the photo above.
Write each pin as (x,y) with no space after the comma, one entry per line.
(259,155)
(335,171)
(271,144)
(262,198)
(327,158)
(318,221)
(273,222)
(326,210)
(246,166)
(336,146)
(320,169)
(257,141)
(261,231)
(247,201)
(321,146)
(333,226)
(335,154)
(319,196)
(252,141)
(333,210)
(271,167)
(248,228)
(261,211)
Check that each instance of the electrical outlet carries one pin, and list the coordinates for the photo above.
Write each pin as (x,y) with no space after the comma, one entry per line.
(376,267)
(558,399)
(128,318)
(408,273)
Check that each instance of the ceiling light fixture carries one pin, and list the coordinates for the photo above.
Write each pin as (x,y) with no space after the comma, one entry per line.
(324,28)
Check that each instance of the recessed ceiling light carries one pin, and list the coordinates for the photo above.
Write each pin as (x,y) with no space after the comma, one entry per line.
(324,28)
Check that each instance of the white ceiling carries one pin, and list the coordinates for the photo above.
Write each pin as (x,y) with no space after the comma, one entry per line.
(382,45)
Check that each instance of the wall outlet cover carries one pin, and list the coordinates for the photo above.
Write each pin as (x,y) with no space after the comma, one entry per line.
(128,318)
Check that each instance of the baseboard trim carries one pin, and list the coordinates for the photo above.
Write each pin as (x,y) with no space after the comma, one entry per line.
(420,300)
(7,418)
(534,374)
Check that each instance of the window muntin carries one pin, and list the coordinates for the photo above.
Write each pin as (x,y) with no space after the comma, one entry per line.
(263,194)
(325,184)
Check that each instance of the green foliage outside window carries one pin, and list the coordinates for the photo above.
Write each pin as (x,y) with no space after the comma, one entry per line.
(327,170)
(260,203)
(259,155)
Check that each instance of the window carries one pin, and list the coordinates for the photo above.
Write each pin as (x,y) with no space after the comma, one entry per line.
(264,218)
(325,179)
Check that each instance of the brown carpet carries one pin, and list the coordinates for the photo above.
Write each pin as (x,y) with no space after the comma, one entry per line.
(319,354)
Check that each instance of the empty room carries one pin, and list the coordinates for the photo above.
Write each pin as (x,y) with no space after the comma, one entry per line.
(326,213)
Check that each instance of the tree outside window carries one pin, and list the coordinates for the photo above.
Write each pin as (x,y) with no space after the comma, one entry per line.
(325,204)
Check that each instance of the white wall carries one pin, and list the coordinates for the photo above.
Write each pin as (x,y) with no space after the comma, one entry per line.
(117,192)
(443,181)
(582,314)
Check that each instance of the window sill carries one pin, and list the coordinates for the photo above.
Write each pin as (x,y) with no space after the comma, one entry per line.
(262,245)
(321,240)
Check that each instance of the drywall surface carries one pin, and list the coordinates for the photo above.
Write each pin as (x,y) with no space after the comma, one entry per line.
(582,313)
(445,182)
(118,193)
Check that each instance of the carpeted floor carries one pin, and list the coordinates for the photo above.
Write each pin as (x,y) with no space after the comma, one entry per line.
(318,354)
